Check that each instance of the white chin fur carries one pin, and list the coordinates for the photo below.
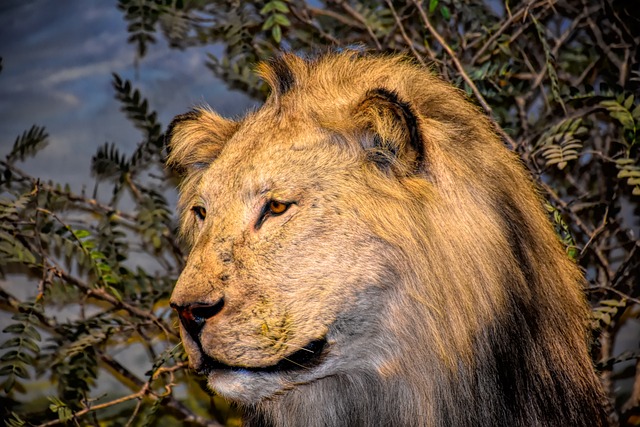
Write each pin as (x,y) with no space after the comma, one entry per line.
(245,387)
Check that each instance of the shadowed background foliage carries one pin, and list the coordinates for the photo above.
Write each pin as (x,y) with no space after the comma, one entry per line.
(560,78)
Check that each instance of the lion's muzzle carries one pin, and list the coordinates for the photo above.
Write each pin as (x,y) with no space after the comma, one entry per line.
(309,356)
(194,316)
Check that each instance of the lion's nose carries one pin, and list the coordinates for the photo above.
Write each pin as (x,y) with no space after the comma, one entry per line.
(194,316)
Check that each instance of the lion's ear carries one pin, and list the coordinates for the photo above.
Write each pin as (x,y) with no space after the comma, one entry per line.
(193,140)
(392,136)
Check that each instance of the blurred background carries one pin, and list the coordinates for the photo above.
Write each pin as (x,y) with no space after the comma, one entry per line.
(58,60)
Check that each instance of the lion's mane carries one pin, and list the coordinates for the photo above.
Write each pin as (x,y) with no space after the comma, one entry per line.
(444,298)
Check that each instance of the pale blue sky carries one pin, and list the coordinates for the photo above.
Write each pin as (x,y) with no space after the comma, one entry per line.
(58,56)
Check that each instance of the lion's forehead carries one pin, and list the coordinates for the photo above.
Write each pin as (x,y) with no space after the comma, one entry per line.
(253,162)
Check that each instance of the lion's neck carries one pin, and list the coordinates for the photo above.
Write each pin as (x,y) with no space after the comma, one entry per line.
(512,381)
(340,400)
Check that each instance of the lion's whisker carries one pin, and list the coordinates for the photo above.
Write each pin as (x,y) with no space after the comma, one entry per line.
(295,363)
(297,347)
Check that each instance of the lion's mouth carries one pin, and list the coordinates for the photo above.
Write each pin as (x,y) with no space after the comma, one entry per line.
(307,357)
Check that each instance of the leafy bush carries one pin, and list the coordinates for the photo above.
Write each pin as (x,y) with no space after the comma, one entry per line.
(559,77)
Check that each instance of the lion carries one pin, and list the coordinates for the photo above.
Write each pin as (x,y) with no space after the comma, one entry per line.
(364,251)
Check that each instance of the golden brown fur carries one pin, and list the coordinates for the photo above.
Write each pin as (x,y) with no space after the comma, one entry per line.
(414,278)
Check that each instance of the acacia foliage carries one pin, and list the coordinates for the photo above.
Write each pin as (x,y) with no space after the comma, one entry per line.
(560,78)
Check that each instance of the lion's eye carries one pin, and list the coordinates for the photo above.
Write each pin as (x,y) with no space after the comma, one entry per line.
(271,208)
(199,212)
(277,208)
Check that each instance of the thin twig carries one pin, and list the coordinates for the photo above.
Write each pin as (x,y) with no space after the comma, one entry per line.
(302,16)
(91,203)
(615,291)
(602,260)
(141,393)
(405,37)
(604,47)
(464,75)
(554,51)
(337,16)
(144,390)
(101,294)
(596,232)
(519,14)
(358,17)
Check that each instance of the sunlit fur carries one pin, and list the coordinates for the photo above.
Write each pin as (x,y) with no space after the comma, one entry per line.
(415,244)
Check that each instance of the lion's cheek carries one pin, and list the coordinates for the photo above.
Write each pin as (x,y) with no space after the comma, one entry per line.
(237,345)
(256,341)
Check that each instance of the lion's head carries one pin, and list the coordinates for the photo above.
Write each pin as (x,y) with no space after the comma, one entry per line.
(364,231)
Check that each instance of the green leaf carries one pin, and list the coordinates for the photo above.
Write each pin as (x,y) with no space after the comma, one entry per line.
(31,345)
(6,370)
(613,303)
(28,144)
(562,143)
(96,255)
(629,173)
(11,342)
(269,7)
(282,20)
(81,234)
(9,355)
(620,113)
(433,4)
(604,318)
(269,22)
(31,332)
(446,13)
(549,61)
(20,371)
(628,103)
(156,241)
(16,328)
(276,33)
(9,384)
(274,6)
(281,6)
(115,293)
(15,420)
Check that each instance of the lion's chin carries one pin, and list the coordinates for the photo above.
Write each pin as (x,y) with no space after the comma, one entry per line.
(250,384)
(244,387)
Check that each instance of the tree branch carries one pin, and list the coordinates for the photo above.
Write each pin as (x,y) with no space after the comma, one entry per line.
(464,75)
(358,17)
